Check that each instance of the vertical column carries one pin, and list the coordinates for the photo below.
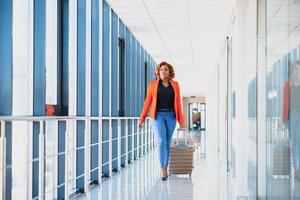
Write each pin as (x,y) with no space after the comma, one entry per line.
(100,89)
(261,100)
(138,142)
(22,87)
(142,138)
(67,148)
(41,160)
(88,81)
(72,92)
(39,92)
(100,140)
(95,64)
(126,142)
(110,96)
(148,135)
(110,147)
(87,160)
(105,82)
(132,140)
(119,144)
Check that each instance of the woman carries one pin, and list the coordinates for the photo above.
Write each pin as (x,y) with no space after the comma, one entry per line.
(163,97)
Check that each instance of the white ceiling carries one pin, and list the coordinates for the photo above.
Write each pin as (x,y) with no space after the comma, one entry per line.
(186,33)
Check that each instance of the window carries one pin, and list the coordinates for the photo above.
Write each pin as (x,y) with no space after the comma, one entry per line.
(121,76)
(57,58)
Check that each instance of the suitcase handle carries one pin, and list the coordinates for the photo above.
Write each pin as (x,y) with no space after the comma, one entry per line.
(185,131)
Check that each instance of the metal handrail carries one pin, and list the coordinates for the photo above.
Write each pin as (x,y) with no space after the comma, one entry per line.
(39,118)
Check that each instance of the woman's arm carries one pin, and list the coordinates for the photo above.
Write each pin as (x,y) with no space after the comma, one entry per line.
(147,104)
(181,116)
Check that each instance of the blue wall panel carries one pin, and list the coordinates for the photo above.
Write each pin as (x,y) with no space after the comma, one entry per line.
(105,147)
(81,71)
(132,77)
(61,157)
(81,48)
(105,59)
(114,64)
(80,155)
(5,57)
(135,82)
(6,81)
(39,66)
(94,151)
(139,83)
(114,144)
(115,85)
(95,58)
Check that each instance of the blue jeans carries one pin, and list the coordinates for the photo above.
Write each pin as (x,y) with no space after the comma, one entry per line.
(163,127)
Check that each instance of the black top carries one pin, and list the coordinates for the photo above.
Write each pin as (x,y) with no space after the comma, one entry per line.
(165,96)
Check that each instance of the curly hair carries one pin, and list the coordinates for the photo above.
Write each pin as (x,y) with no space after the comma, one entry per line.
(171,70)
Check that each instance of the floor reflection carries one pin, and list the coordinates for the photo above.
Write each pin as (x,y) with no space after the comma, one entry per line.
(141,180)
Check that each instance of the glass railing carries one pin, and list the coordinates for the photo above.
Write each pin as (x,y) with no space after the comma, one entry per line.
(59,157)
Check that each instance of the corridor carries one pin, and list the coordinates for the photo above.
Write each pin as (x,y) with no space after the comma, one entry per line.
(90,90)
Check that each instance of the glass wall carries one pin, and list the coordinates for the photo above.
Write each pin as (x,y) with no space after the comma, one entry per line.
(251,99)
(283,99)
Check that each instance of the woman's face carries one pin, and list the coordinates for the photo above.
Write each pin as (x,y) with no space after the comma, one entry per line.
(164,72)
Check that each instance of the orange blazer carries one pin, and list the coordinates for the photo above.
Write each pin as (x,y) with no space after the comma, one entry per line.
(151,100)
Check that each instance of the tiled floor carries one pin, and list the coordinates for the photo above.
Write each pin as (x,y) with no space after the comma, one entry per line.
(141,181)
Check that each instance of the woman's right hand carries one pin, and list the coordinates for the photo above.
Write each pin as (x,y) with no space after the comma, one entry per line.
(140,124)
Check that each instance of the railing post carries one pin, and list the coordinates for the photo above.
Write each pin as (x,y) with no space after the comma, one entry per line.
(66,161)
(2,159)
(100,151)
(138,140)
(126,141)
(119,144)
(87,133)
(152,139)
(142,138)
(110,148)
(132,139)
(148,134)
(41,160)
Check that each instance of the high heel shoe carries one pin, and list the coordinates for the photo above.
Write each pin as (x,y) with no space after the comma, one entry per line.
(162,174)
(166,172)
